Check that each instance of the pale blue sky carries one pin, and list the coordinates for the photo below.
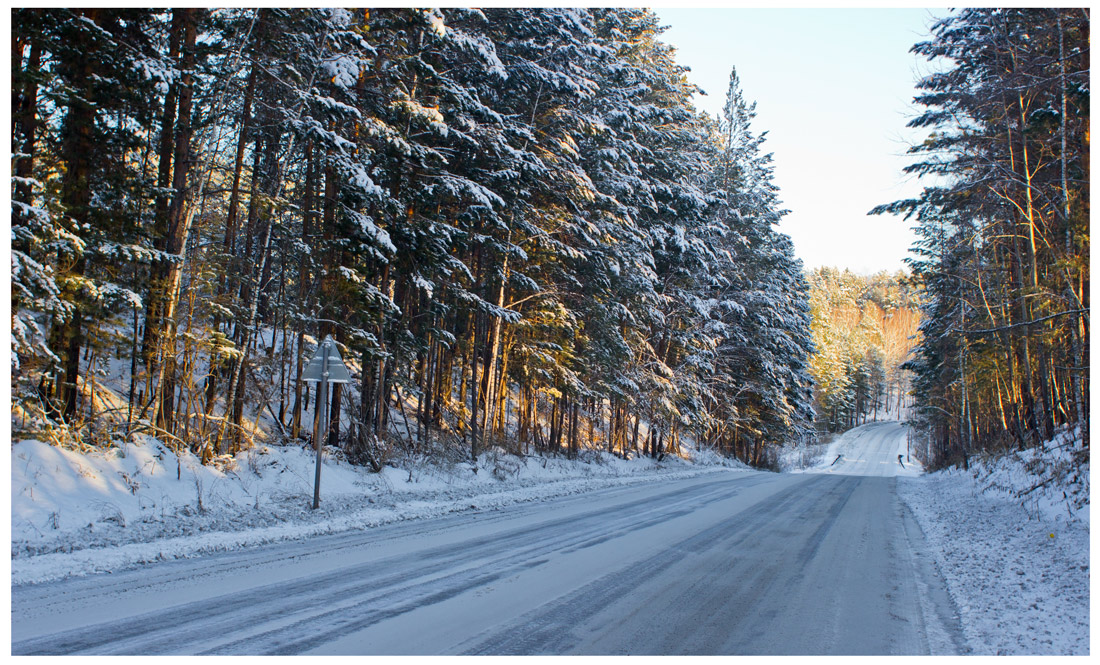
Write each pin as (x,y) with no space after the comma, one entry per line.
(833,89)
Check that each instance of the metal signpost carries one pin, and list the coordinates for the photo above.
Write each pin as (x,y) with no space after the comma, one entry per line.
(326,367)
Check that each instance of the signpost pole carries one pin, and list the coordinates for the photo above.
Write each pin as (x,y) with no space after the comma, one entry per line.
(326,367)
(323,434)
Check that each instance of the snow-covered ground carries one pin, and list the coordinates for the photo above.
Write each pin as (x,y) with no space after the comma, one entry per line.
(76,514)
(1018,570)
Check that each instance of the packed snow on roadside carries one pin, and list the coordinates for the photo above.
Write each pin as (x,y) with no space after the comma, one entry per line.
(1011,536)
(76,514)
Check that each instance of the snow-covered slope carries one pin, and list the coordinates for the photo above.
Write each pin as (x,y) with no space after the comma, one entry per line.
(1018,569)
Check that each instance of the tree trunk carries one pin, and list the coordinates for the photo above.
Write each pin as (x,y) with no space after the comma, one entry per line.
(78,151)
(27,119)
(179,228)
(158,273)
(231,223)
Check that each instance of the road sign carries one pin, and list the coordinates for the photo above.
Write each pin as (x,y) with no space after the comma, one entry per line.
(325,368)
(337,371)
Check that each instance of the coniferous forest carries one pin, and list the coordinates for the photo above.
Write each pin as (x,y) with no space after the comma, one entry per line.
(1003,231)
(513,222)
(864,329)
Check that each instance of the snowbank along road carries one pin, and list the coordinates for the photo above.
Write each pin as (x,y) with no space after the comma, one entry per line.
(726,563)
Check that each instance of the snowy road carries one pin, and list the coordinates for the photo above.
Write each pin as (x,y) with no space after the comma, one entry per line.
(870,450)
(727,563)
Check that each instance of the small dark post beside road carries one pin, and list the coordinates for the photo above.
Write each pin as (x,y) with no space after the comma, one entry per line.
(326,367)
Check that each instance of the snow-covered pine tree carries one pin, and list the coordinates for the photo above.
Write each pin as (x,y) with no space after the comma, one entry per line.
(87,78)
(760,296)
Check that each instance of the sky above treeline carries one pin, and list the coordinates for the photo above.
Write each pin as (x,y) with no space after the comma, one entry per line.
(834,90)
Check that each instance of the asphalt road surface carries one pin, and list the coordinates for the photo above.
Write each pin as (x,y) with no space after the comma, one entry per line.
(726,563)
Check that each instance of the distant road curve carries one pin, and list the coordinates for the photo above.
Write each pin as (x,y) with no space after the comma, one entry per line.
(869,450)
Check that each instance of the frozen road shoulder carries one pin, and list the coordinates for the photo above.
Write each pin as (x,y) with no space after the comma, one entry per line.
(725,564)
